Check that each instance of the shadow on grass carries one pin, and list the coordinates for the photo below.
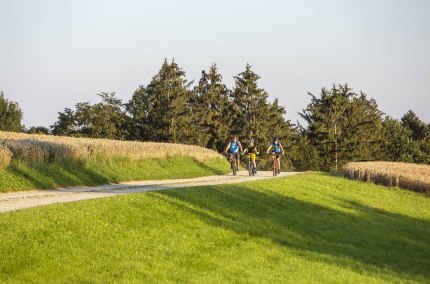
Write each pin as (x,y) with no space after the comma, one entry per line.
(73,173)
(53,175)
(384,242)
(212,169)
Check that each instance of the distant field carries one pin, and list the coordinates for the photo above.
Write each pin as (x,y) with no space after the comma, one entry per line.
(403,175)
(45,161)
(306,228)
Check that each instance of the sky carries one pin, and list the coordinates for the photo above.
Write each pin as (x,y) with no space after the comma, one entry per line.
(54,54)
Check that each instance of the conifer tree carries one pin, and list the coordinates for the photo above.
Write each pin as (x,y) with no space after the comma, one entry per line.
(363,129)
(398,145)
(343,126)
(138,110)
(212,110)
(303,154)
(418,127)
(250,108)
(163,110)
(254,117)
(325,117)
(420,133)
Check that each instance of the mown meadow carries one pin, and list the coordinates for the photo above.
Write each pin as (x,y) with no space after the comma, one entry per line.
(311,227)
(46,161)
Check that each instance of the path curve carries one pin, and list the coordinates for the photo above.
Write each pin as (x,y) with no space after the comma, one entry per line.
(13,201)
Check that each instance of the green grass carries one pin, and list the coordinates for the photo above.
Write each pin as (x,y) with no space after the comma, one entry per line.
(306,228)
(22,176)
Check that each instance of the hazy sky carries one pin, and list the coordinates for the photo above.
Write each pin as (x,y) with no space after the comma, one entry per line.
(54,54)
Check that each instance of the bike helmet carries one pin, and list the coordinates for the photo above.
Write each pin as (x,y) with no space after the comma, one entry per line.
(275,138)
(251,141)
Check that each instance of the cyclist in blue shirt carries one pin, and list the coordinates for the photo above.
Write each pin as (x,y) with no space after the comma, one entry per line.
(234,147)
(277,149)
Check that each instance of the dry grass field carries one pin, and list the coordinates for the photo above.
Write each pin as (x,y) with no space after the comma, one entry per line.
(48,148)
(403,175)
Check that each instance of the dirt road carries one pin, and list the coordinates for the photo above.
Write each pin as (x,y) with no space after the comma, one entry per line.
(25,199)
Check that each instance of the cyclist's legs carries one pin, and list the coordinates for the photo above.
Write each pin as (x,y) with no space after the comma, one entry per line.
(230,158)
(252,158)
(253,161)
(274,161)
(237,159)
(279,162)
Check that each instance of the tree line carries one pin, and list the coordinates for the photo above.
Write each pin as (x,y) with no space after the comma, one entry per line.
(342,125)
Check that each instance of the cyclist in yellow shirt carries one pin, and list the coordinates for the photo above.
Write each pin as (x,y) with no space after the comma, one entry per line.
(252,151)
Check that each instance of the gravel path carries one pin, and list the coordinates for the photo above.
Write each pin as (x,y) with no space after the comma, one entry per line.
(13,201)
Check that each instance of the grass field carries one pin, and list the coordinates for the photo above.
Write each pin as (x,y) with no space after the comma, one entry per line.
(307,228)
(45,161)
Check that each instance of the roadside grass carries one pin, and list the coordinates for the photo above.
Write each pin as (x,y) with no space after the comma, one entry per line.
(23,176)
(307,228)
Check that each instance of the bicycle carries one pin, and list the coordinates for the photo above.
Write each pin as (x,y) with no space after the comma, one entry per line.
(233,163)
(275,167)
(251,169)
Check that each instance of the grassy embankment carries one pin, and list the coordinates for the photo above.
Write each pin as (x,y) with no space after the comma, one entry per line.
(40,161)
(306,228)
(402,175)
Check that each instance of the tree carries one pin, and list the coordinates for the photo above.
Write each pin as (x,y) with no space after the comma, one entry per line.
(38,130)
(276,123)
(420,133)
(106,119)
(325,117)
(363,129)
(252,115)
(398,145)
(65,124)
(163,111)
(10,115)
(343,125)
(418,127)
(212,110)
(139,109)
(303,154)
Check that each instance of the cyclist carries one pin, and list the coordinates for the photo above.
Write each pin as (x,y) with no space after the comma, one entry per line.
(234,147)
(277,150)
(252,151)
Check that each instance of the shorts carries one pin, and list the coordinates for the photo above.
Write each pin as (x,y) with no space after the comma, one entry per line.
(230,156)
(276,155)
(252,156)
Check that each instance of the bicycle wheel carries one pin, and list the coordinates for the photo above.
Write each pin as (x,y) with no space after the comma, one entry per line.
(275,170)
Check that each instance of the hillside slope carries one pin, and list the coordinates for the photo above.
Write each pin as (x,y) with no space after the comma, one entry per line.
(306,228)
(44,161)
